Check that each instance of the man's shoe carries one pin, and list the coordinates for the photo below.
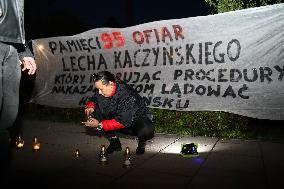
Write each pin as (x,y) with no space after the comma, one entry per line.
(114,145)
(141,148)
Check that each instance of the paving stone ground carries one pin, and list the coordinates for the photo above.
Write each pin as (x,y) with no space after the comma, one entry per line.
(221,163)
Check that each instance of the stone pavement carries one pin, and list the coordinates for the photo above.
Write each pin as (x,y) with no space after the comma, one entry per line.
(221,163)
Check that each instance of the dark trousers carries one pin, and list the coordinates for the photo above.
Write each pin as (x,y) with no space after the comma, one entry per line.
(143,128)
(10,74)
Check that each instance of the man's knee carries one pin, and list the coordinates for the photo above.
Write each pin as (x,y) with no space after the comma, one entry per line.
(146,133)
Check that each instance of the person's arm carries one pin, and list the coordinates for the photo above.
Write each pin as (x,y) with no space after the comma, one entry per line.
(27,58)
(107,125)
(124,115)
(89,108)
(111,124)
(24,50)
(90,105)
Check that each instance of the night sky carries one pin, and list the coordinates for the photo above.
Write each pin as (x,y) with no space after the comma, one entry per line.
(51,18)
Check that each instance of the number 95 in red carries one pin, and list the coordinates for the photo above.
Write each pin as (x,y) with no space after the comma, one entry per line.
(114,39)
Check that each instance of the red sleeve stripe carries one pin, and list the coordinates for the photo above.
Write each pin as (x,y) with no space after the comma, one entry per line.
(90,104)
(111,125)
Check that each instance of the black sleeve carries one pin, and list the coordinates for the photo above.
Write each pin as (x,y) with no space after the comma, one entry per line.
(24,50)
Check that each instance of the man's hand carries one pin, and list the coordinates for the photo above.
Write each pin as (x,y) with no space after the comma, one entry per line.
(91,122)
(29,64)
(89,111)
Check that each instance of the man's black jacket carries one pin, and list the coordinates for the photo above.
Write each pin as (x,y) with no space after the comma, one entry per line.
(126,106)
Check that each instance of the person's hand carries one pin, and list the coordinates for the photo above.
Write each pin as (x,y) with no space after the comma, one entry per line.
(89,110)
(91,122)
(29,64)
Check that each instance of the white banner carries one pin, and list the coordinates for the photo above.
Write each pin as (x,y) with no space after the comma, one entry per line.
(231,62)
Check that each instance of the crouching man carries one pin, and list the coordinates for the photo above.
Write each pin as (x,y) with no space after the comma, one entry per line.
(117,107)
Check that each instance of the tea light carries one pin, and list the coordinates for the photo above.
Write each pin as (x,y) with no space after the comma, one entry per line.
(103,156)
(77,153)
(36,145)
(127,162)
(20,142)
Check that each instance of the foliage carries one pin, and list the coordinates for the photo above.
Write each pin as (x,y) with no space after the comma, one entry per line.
(47,113)
(220,6)
(217,124)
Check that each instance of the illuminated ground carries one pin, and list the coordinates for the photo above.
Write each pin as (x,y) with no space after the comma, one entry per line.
(220,164)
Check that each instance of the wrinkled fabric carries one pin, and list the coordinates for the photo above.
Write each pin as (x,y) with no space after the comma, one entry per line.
(12,21)
(10,74)
(230,62)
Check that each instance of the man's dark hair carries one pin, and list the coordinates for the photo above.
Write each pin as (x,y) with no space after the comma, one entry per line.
(104,76)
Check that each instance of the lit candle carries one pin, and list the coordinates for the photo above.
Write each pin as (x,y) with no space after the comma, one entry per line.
(20,142)
(103,156)
(127,162)
(36,145)
(77,153)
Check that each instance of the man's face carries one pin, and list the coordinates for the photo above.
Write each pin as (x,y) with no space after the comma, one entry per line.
(105,90)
